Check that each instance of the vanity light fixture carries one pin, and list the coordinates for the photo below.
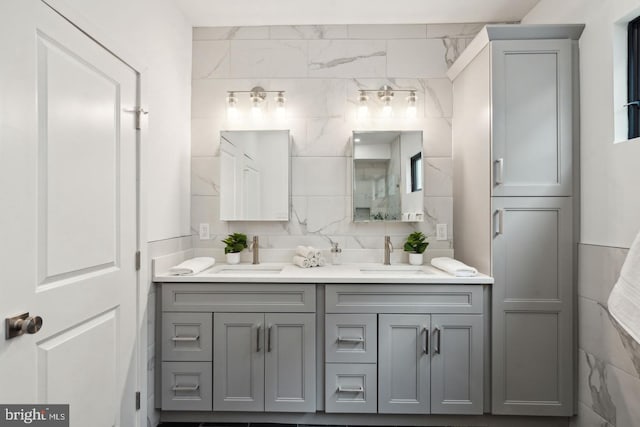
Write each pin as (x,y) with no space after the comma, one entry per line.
(257,96)
(386,95)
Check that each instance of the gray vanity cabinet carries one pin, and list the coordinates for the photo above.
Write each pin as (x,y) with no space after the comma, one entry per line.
(531,117)
(404,369)
(290,362)
(515,151)
(238,371)
(456,368)
(533,305)
(264,362)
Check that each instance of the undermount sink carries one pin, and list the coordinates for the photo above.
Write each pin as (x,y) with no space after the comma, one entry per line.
(247,269)
(394,269)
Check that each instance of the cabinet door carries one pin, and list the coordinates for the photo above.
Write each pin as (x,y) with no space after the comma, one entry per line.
(456,364)
(290,362)
(532,316)
(403,364)
(238,362)
(531,117)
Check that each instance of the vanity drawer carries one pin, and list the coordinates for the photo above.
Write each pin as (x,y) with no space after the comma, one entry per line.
(351,338)
(186,386)
(187,337)
(239,297)
(351,387)
(379,298)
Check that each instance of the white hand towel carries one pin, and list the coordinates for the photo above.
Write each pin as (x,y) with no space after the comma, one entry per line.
(301,261)
(192,266)
(305,251)
(624,300)
(453,267)
(313,261)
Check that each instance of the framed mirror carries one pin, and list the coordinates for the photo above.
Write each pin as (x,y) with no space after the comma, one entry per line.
(388,176)
(254,175)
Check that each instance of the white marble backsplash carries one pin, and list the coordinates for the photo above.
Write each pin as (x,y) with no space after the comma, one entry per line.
(321,68)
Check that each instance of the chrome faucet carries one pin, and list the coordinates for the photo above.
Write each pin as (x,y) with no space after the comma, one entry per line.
(255,248)
(388,248)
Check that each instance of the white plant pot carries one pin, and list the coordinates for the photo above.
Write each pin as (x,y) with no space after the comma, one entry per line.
(415,259)
(233,258)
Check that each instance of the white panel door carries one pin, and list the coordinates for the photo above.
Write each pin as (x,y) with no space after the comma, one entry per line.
(68,220)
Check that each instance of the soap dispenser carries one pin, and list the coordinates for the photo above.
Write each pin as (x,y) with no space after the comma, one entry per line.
(336,254)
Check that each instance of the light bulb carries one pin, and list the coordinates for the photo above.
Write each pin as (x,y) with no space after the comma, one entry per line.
(232,109)
(363,108)
(387,110)
(281,110)
(412,110)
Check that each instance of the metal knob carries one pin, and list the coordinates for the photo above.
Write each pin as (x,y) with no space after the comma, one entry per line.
(22,324)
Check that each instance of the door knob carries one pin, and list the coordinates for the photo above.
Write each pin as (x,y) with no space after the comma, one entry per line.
(22,324)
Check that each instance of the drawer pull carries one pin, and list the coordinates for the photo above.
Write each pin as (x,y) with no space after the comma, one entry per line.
(350,339)
(186,388)
(357,389)
(196,338)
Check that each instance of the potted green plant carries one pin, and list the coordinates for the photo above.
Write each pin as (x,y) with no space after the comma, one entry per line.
(235,242)
(416,244)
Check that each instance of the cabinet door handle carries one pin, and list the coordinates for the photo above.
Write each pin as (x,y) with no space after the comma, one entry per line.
(499,177)
(425,346)
(498,218)
(258,348)
(186,388)
(194,338)
(350,339)
(269,339)
(438,333)
(356,389)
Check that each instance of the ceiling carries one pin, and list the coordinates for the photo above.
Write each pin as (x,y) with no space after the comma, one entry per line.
(213,13)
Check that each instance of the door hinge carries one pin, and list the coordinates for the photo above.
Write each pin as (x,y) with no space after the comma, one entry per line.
(137,400)
(138,262)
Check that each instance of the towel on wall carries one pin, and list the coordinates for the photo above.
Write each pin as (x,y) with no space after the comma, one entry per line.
(624,300)
(192,266)
(453,267)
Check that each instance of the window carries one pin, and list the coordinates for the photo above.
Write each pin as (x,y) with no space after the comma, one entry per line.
(633,78)
(416,172)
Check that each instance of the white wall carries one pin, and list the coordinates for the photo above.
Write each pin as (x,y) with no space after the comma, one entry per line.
(610,175)
(158,38)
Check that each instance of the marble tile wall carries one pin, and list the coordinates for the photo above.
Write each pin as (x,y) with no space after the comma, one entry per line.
(321,69)
(608,358)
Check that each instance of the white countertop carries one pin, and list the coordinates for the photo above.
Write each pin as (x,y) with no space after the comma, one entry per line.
(345,273)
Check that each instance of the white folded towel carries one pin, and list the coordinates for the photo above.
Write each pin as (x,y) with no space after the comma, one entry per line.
(305,251)
(301,261)
(624,300)
(313,261)
(453,267)
(192,266)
